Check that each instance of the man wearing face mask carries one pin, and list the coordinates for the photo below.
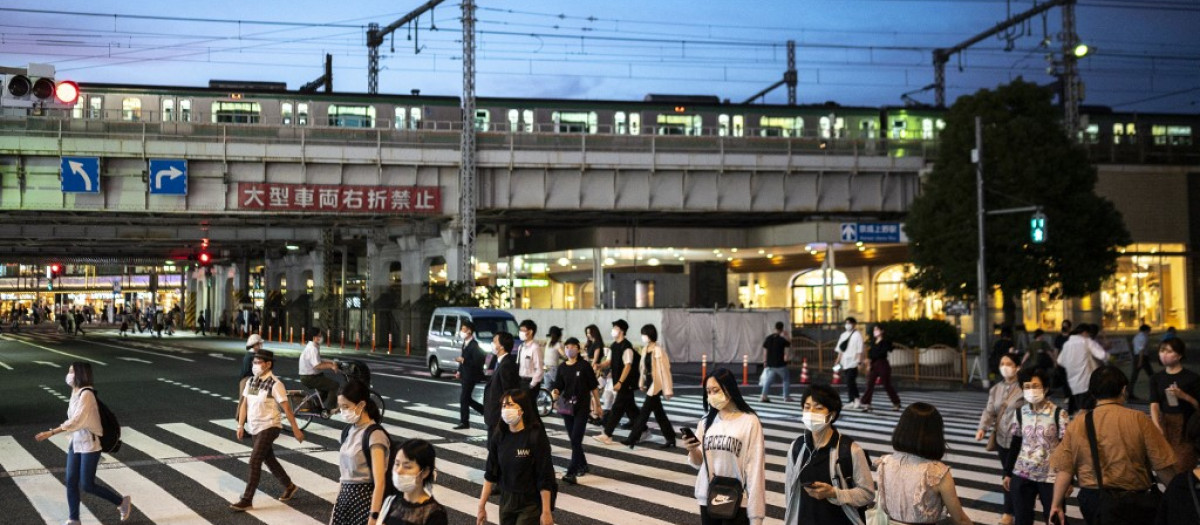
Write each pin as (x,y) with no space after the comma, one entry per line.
(311,366)
(529,356)
(827,479)
(624,371)
(849,355)
(505,378)
(470,373)
(258,415)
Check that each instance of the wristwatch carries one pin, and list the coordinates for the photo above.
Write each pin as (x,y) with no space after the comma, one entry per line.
(374,515)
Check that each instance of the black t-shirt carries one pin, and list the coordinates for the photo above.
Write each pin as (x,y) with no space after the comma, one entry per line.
(430,512)
(618,364)
(578,380)
(520,463)
(813,510)
(776,345)
(879,349)
(1187,380)
(1177,506)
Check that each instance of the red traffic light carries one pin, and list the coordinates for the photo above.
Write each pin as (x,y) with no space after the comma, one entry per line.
(66,92)
(55,268)
(205,258)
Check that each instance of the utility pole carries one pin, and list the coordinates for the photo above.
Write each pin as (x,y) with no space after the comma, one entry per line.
(981,310)
(1070,72)
(790,78)
(375,36)
(466,171)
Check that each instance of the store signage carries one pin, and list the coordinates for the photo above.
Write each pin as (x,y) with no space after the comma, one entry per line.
(340,199)
(524,283)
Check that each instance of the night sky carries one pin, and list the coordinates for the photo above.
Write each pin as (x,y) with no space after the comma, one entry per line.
(1146,54)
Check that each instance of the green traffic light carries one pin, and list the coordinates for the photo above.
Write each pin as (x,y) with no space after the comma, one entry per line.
(1082,50)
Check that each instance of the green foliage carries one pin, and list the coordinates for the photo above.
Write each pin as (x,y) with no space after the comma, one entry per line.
(452,294)
(921,333)
(1027,160)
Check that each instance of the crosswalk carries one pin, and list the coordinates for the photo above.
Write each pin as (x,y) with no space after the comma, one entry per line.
(184,472)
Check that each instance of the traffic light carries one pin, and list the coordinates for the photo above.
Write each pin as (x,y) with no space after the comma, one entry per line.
(36,88)
(1037,227)
(55,270)
(52,272)
(204,258)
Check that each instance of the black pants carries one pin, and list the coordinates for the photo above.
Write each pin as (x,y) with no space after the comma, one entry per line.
(741,518)
(1004,454)
(466,401)
(850,375)
(576,427)
(520,509)
(1140,362)
(1089,502)
(326,386)
(1025,494)
(652,405)
(623,405)
(880,368)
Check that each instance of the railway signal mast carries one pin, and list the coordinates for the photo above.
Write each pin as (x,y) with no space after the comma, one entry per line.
(466,171)
(375,36)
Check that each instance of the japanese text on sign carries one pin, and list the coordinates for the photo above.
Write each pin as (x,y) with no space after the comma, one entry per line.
(352,199)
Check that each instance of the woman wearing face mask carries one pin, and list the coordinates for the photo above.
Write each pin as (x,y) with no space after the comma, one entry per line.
(83,454)
(998,416)
(1174,398)
(657,391)
(577,381)
(518,463)
(597,353)
(413,476)
(362,478)
(1038,427)
(553,354)
(828,476)
(729,442)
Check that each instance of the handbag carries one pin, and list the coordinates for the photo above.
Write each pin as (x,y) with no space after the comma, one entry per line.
(875,513)
(1115,506)
(565,406)
(724,493)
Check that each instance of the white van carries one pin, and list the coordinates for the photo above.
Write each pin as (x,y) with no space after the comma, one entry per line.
(443,343)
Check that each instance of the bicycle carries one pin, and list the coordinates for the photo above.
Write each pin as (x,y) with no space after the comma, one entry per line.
(308,405)
(544,402)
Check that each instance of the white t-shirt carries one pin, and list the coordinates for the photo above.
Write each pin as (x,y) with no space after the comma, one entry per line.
(263,396)
(853,353)
(309,359)
(1080,356)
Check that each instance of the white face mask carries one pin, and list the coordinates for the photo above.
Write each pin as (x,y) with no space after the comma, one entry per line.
(510,415)
(404,482)
(523,335)
(464,335)
(1034,396)
(257,369)
(849,327)
(718,401)
(351,417)
(70,378)
(1008,371)
(815,422)
(645,339)
(615,333)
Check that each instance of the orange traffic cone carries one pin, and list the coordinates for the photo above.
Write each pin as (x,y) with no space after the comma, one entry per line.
(804,371)
(837,376)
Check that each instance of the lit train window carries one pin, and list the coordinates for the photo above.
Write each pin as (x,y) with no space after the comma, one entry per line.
(95,107)
(302,113)
(781,126)
(575,121)
(680,124)
(722,125)
(343,116)
(927,129)
(520,120)
(898,127)
(1091,134)
(168,110)
(832,127)
(635,123)
(527,115)
(236,112)
(287,113)
(1171,135)
(185,110)
(869,129)
(739,125)
(483,119)
(131,109)
(514,119)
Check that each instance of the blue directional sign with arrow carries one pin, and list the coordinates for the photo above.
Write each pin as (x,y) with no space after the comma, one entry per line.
(81,174)
(168,177)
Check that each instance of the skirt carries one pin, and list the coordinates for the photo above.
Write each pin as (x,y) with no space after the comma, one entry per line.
(1173,426)
(353,505)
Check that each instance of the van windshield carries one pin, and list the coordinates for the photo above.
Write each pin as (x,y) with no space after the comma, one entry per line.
(486,327)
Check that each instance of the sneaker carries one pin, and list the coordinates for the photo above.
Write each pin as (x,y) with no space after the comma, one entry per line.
(896,407)
(604,439)
(125,508)
(241,506)
(289,492)
(854,405)
(864,408)
(71,522)
(788,399)
(569,479)
(765,399)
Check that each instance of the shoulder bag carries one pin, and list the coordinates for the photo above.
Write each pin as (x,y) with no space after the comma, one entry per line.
(565,405)
(724,493)
(1115,506)
(876,515)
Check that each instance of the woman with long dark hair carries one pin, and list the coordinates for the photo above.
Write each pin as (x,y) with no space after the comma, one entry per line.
(595,352)
(83,454)
(413,475)
(518,463)
(552,354)
(362,478)
(729,443)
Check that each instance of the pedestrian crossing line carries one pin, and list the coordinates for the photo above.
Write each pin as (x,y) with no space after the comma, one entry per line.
(196,389)
(47,495)
(227,486)
(59,352)
(55,393)
(285,440)
(312,482)
(148,497)
(464,503)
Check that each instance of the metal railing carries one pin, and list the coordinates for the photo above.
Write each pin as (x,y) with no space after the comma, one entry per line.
(936,363)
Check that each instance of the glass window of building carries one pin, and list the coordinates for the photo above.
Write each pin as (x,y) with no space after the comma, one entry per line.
(619,125)
(302,114)
(185,110)
(483,119)
(722,125)
(131,109)
(781,126)
(1149,286)
(739,125)
(168,109)
(236,112)
(635,123)
(819,296)
(287,113)
(894,300)
(344,116)
(400,118)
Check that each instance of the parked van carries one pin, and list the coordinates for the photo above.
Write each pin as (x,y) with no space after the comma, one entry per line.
(443,342)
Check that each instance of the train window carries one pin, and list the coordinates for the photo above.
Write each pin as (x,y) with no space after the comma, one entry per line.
(514,119)
(635,123)
(95,107)
(832,127)
(781,126)
(168,110)
(351,116)
(287,112)
(1172,135)
(927,129)
(236,112)
(1125,133)
(722,125)
(520,120)
(527,116)
(1091,134)
(131,109)
(185,110)
(400,118)
(679,124)
(869,129)
(575,121)
(414,118)
(483,119)
(940,124)
(739,125)
(302,114)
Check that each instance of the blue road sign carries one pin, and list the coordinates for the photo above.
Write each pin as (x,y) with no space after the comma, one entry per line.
(81,174)
(849,232)
(168,177)
(874,232)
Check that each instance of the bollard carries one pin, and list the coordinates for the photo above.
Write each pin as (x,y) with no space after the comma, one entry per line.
(291,335)
(372,342)
(745,369)
(342,339)
(408,345)
(703,368)
(357,336)
(389,344)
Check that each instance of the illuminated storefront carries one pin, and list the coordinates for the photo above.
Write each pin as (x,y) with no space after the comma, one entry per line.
(1150,286)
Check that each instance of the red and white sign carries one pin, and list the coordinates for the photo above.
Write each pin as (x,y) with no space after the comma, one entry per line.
(346,199)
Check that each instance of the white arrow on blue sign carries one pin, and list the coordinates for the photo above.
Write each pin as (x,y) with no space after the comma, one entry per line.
(81,174)
(168,177)
(849,232)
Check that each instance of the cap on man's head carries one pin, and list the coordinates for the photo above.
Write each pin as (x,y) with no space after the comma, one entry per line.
(620,323)
(254,339)
(265,355)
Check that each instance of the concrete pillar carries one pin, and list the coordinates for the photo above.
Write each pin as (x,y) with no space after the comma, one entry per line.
(316,261)
(449,251)
(599,290)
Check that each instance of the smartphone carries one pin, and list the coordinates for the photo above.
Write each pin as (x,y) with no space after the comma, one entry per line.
(809,484)
(687,433)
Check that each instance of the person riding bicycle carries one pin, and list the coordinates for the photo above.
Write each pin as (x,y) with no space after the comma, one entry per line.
(311,366)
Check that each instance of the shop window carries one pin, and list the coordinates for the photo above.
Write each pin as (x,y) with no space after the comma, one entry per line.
(131,109)
(781,126)
(894,300)
(236,112)
(819,296)
(344,116)
(1149,287)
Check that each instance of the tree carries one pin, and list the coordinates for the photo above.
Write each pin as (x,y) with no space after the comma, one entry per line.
(1028,160)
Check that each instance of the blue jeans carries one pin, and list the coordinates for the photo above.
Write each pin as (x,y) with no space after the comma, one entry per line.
(81,471)
(770,373)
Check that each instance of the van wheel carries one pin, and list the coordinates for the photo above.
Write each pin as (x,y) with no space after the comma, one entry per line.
(435,370)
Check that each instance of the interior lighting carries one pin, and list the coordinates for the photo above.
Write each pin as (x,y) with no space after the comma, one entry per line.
(292,247)
(608,261)
(653,261)
(563,261)
(770,256)
(734,250)
(761,251)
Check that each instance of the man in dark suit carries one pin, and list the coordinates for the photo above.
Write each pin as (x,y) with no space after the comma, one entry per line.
(505,378)
(470,373)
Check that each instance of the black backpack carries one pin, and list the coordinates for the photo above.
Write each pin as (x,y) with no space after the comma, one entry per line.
(393,449)
(844,461)
(110,438)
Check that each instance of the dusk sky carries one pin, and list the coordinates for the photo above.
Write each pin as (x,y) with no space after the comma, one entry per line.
(856,52)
